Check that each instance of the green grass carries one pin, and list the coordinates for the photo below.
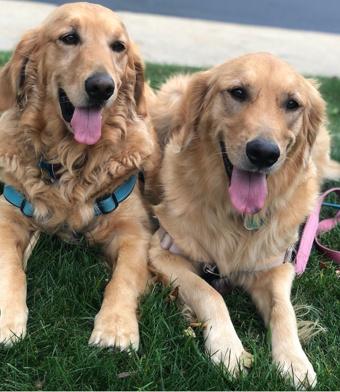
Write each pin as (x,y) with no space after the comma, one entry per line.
(4,56)
(65,287)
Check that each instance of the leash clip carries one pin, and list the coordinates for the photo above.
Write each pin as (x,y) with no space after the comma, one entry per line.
(211,269)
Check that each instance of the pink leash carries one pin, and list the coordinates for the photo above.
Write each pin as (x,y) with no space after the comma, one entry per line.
(312,229)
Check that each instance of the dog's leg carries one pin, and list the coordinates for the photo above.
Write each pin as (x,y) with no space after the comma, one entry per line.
(270,291)
(14,239)
(221,340)
(116,323)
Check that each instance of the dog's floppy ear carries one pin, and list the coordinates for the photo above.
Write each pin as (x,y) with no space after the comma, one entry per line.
(194,101)
(315,113)
(13,74)
(140,87)
(136,67)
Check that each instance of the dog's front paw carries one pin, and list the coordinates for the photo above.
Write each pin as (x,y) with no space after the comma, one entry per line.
(113,329)
(13,324)
(229,352)
(296,368)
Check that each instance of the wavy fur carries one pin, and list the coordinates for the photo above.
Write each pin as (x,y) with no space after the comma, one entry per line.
(33,127)
(192,114)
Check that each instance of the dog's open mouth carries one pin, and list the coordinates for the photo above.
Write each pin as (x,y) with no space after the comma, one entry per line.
(67,109)
(86,122)
(247,190)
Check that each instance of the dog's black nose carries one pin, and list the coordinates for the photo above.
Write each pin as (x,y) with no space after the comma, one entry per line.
(99,87)
(262,152)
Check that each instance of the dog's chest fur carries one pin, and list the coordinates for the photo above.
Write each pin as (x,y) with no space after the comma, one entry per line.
(198,215)
(66,207)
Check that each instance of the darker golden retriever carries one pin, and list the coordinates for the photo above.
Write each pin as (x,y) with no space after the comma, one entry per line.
(245,151)
(74,134)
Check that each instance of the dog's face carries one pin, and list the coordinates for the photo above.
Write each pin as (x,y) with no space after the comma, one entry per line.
(86,60)
(261,112)
(82,54)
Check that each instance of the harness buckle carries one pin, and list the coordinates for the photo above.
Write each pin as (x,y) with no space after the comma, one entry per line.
(114,198)
(22,208)
(103,205)
(211,269)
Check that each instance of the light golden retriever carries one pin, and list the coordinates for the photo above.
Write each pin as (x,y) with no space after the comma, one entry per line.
(74,90)
(245,150)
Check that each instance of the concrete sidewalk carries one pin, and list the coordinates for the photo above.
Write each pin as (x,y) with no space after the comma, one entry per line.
(194,42)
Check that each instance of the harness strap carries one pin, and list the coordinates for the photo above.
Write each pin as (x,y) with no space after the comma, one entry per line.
(312,229)
(109,203)
(103,205)
(17,199)
(168,243)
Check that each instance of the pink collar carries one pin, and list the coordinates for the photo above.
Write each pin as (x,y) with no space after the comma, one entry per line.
(168,243)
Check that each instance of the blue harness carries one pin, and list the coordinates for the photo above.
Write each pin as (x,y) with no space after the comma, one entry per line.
(102,205)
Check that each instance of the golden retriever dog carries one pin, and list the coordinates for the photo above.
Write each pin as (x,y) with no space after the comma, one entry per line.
(245,150)
(74,135)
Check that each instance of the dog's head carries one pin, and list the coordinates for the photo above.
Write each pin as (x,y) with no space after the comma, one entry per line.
(82,60)
(261,114)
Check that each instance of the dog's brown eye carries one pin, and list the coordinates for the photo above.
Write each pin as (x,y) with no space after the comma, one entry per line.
(239,93)
(292,105)
(70,39)
(118,46)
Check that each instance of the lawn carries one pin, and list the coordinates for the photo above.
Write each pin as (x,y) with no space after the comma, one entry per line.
(65,287)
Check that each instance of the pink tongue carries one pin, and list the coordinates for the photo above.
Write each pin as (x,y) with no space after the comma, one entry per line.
(87,125)
(248,191)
